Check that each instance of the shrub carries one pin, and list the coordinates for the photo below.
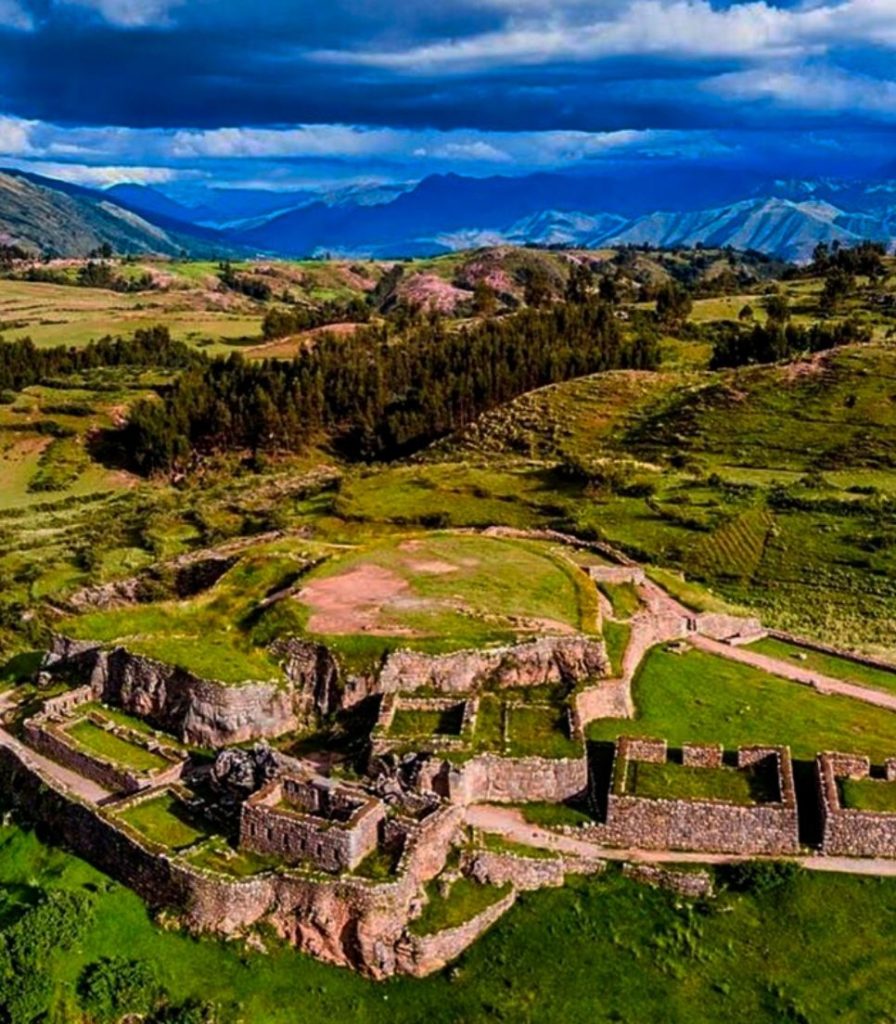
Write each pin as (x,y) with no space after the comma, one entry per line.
(115,986)
(761,876)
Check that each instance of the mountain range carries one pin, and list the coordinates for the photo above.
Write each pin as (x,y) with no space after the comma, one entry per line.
(665,207)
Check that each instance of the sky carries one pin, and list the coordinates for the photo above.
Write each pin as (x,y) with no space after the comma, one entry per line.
(320,94)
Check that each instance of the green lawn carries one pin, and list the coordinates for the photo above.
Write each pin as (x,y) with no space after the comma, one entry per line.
(702,698)
(629,953)
(616,637)
(551,815)
(623,597)
(868,794)
(827,664)
(541,731)
(165,820)
(671,781)
(465,899)
(408,722)
(114,748)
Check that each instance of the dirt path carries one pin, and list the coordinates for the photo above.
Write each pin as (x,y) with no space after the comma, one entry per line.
(67,779)
(795,673)
(509,822)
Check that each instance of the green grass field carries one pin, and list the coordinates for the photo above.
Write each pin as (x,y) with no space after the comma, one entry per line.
(827,664)
(672,781)
(114,748)
(165,820)
(630,953)
(464,900)
(868,795)
(701,698)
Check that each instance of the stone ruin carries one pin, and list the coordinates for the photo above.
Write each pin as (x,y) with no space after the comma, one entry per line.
(47,732)
(850,831)
(313,819)
(769,828)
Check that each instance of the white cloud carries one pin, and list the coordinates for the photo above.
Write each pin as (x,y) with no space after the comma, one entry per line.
(99,177)
(14,15)
(540,33)
(15,136)
(130,13)
(818,89)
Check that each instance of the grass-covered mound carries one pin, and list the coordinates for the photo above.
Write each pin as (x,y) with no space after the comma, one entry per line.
(437,592)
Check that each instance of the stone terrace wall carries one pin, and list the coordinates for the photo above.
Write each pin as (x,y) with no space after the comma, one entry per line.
(846,831)
(525,873)
(330,845)
(542,662)
(420,955)
(489,778)
(346,921)
(703,825)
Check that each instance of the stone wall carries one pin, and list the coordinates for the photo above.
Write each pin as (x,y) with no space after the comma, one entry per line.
(490,867)
(337,838)
(488,778)
(702,755)
(198,711)
(839,652)
(710,826)
(113,777)
(420,955)
(617,574)
(694,885)
(547,661)
(733,628)
(611,698)
(346,921)
(847,831)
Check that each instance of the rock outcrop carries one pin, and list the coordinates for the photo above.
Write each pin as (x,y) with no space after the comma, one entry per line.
(543,662)
(201,711)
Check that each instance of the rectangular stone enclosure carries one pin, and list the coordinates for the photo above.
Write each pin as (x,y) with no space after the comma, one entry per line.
(755,824)
(856,831)
(316,820)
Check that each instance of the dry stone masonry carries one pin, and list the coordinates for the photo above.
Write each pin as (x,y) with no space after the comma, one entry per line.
(848,831)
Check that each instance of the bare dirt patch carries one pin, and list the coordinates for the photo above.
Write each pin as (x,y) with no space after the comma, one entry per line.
(353,601)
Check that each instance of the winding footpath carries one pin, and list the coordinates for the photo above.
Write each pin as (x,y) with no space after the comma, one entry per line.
(796,673)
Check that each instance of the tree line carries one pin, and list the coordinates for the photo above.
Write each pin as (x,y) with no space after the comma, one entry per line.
(376,395)
(777,340)
(23,364)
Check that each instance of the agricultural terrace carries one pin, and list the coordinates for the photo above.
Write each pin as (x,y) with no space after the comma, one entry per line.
(98,741)
(166,820)
(512,722)
(868,795)
(700,698)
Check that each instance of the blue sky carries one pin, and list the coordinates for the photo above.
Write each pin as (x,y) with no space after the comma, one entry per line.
(312,93)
